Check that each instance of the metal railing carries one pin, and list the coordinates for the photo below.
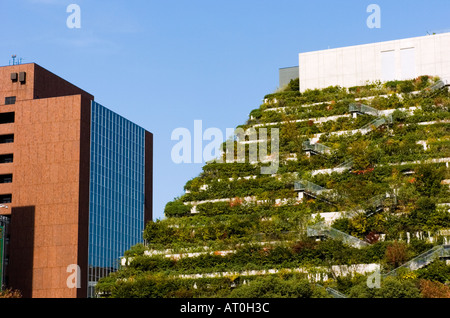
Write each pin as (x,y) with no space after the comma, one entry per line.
(347,164)
(374,205)
(333,292)
(378,122)
(423,259)
(437,86)
(317,148)
(308,186)
(363,109)
(323,230)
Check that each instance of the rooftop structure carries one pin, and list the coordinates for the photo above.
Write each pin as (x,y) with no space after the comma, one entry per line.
(383,61)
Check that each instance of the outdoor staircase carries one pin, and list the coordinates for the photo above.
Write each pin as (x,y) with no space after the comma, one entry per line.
(333,292)
(371,206)
(315,149)
(375,124)
(437,86)
(321,230)
(374,205)
(424,259)
(312,190)
(358,108)
(346,165)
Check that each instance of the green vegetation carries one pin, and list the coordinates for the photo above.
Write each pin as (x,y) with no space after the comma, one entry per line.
(253,240)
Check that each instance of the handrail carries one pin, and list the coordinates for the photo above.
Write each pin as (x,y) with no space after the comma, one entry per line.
(321,229)
(378,122)
(363,109)
(423,259)
(335,293)
(318,148)
(347,164)
(437,86)
(304,185)
(378,202)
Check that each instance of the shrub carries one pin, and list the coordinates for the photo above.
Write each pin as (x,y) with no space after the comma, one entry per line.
(177,209)
(274,287)
(294,85)
(428,180)
(437,271)
(158,232)
(390,287)
(430,289)
(399,116)
(394,288)
(396,254)
(256,113)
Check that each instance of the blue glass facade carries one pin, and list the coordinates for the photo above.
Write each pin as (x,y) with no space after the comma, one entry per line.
(117,189)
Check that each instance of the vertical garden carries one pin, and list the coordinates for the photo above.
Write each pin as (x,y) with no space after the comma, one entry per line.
(384,181)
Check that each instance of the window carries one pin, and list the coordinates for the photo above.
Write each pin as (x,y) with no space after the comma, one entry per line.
(6,158)
(6,139)
(14,77)
(6,178)
(6,118)
(10,100)
(5,198)
(22,77)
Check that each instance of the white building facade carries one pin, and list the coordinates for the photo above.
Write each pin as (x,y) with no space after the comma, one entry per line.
(384,61)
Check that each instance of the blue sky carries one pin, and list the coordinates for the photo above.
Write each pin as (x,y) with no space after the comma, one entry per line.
(164,64)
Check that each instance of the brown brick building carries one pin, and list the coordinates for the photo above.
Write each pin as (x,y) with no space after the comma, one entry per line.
(75,184)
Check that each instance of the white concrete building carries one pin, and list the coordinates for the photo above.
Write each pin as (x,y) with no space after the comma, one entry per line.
(384,61)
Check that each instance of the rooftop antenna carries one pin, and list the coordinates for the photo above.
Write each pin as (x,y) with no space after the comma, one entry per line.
(14,62)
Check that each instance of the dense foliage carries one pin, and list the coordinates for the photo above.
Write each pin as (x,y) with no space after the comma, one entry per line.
(245,221)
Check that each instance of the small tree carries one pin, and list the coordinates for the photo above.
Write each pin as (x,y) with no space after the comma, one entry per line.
(429,289)
(395,288)
(396,254)
(428,180)
(363,154)
(176,209)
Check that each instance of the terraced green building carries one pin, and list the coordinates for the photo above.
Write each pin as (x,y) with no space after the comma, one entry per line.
(361,195)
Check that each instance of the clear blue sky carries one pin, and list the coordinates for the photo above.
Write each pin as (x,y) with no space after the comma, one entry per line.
(164,64)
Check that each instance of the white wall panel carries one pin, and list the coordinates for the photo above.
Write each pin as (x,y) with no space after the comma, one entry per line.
(391,60)
(408,62)
(388,66)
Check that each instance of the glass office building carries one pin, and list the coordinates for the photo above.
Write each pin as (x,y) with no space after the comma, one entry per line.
(117,190)
(76,185)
